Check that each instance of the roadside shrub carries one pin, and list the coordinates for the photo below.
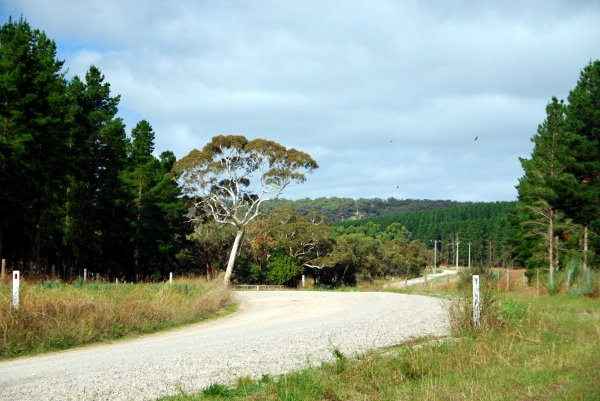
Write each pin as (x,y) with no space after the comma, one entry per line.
(284,270)
(461,307)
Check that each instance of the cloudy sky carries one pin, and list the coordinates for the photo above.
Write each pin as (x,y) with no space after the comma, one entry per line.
(387,96)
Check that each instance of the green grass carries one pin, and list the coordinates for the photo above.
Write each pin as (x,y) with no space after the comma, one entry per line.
(542,348)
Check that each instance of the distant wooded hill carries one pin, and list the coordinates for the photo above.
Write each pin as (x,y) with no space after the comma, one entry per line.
(342,209)
(485,225)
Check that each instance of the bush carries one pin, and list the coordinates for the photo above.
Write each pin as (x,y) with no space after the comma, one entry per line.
(284,270)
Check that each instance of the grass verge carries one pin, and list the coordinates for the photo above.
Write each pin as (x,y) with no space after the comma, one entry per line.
(56,316)
(544,348)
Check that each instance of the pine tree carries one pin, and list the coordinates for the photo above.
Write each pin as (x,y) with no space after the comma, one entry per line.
(96,202)
(545,167)
(580,192)
(157,209)
(31,136)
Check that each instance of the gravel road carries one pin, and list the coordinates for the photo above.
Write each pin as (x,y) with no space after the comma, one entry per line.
(272,333)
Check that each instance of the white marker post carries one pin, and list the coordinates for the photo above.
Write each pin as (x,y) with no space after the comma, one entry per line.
(476,311)
(16,279)
(171,278)
(303,280)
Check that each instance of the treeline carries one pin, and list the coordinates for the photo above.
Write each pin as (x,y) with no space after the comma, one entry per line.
(342,209)
(485,225)
(282,244)
(75,191)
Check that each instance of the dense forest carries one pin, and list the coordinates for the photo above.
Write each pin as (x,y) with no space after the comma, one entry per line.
(485,225)
(78,192)
(75,191)
(341,209)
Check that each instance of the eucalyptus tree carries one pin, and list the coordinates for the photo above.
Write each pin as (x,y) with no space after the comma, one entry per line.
(231,177)
(404,258)
(305,238)
(351,254)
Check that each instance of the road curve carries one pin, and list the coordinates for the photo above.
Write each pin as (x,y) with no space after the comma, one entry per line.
(272,333)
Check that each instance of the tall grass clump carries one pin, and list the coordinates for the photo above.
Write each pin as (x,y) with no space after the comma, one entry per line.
(572,280)
(461,307)
(580,282)
(54,315)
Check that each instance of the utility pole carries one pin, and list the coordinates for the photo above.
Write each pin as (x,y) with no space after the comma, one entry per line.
(435,242)
(457,244)
(469,254)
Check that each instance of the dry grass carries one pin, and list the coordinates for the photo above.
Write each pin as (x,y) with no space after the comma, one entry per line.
(54,315)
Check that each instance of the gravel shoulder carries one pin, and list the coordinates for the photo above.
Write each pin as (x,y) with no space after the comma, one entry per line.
(272,333)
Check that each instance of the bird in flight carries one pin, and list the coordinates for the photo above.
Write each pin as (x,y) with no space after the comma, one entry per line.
(475,138)
(398,187)
(391,141)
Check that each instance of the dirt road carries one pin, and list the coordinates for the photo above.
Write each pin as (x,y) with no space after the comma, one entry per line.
(272,333)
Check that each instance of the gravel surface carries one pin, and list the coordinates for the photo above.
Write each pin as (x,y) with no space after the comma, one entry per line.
(272,333)
(438,277)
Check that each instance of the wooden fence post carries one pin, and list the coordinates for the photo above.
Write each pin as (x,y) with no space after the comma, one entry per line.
(499,280)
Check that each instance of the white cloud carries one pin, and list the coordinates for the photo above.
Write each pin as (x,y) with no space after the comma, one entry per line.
(340,80)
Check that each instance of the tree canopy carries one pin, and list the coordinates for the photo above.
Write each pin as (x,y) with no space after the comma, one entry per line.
(232,176)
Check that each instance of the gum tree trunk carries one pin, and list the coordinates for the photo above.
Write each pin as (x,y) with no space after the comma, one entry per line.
(233,254)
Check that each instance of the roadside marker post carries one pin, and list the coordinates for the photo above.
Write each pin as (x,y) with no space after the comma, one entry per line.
(16,279)
(303,280)
(171,278)
(476,304)
(3,272)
